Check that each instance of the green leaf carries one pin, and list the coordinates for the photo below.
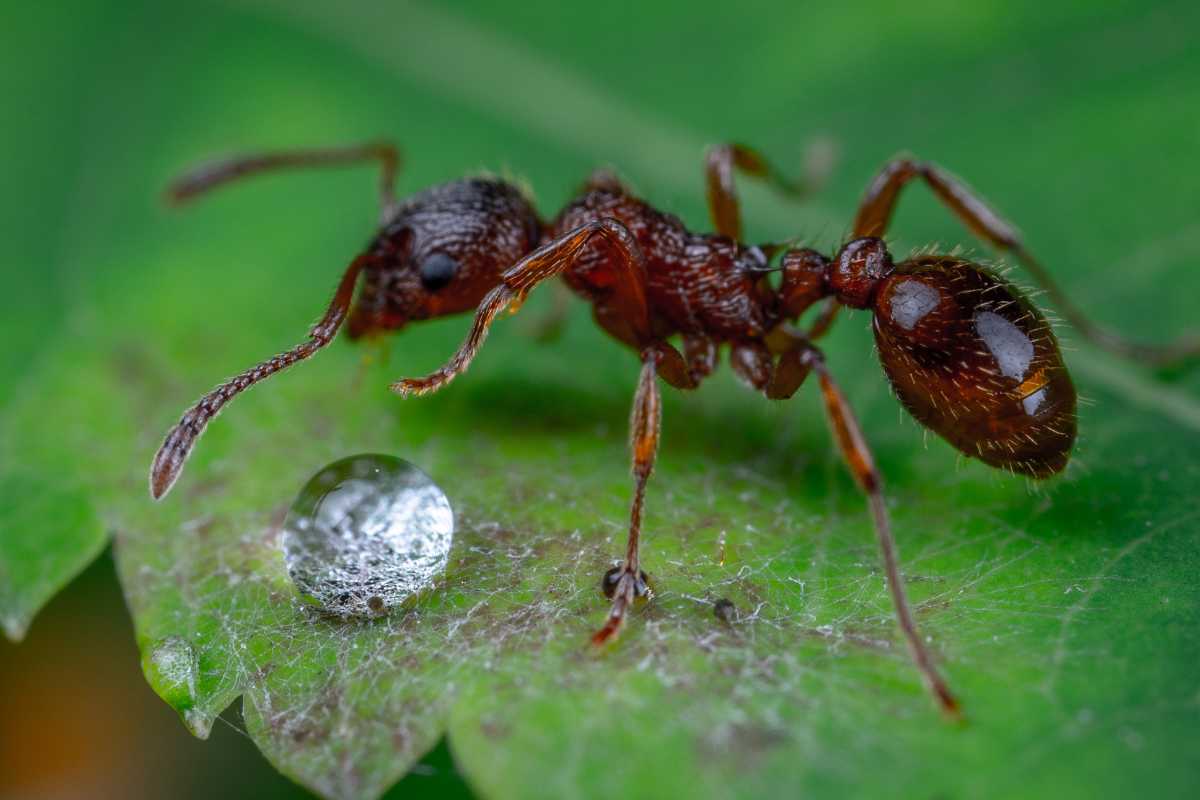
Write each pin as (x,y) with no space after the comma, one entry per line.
(50,535)
(1066,615)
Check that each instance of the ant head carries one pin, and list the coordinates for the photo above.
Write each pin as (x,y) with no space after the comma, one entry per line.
(442,251)
(857,270)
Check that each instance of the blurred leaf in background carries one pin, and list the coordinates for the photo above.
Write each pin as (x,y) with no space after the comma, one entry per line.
(1066,614)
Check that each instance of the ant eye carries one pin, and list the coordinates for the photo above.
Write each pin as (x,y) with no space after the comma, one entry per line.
(437,270)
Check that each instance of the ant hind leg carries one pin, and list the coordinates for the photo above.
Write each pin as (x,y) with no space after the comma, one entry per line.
(207,177)
(875,215)
(858,458)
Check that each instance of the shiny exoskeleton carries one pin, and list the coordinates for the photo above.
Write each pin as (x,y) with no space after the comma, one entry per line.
(966,353)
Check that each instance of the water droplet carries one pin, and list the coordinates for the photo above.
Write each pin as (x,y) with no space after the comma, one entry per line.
(171,667)
(365,533)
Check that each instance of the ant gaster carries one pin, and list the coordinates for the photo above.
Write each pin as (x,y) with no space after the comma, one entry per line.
(966,353)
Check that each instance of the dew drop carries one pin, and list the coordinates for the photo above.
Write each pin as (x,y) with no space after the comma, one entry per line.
(172,668)
(365,533)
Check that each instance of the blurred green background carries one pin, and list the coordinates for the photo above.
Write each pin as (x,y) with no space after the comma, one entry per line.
(1080,120)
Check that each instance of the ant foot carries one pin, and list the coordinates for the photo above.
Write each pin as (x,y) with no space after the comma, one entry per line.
(623,587)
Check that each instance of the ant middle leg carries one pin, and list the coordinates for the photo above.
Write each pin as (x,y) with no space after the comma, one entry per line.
(751,360)
(723,206)
(700,353)
(879,203)
(207,177)
(774,365)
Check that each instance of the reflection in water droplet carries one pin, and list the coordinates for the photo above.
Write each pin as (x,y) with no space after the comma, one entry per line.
(365,533)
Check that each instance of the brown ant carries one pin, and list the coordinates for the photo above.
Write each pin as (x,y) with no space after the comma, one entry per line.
(965,352)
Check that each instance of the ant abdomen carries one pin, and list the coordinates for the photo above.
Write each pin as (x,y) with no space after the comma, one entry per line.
(977,363)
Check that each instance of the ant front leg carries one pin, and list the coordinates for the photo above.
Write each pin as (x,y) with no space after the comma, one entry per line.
(218,173)
(858,458)
(723,205)
(879,203)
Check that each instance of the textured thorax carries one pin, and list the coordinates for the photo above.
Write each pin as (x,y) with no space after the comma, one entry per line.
(696,283)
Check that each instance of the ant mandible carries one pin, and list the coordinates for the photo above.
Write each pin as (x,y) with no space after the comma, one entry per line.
(968,355)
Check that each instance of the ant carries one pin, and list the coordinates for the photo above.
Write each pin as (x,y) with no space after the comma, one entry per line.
(965,352)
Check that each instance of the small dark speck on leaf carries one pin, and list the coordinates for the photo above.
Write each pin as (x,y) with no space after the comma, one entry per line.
(494,729)
(725,610)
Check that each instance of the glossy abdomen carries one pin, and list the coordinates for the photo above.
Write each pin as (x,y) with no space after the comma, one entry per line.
(974,361)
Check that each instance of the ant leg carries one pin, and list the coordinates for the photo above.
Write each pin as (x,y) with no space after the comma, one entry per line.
(628,297)
(700,353)
(627,583)
(723,207)
(751,361)
(177,446)
(217,173)
(862,465)
(875,213)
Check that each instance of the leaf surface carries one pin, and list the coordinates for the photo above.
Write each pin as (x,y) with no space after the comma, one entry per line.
(1066,615)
